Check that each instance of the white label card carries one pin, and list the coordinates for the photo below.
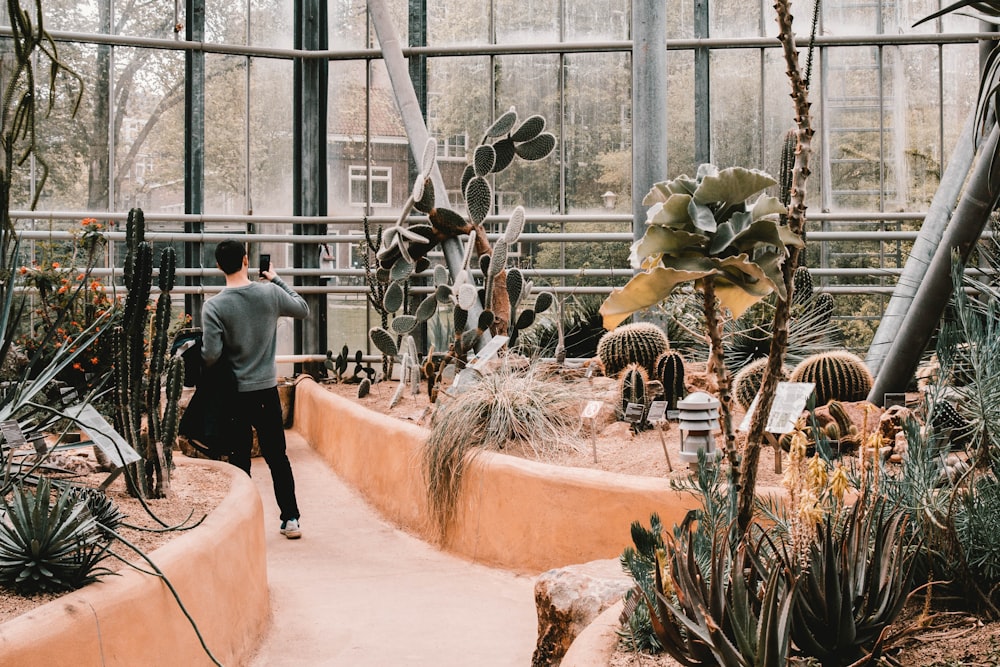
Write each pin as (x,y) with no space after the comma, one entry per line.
(657,411)
(633,412)
(592,409)
(790,400)
(489,351)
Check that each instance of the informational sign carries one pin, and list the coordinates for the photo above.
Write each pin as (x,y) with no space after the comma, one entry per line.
(12,434)
(657,411)
(592,409)
(488,352)
(894,399)
(105,438)
(790,400)
(633,412)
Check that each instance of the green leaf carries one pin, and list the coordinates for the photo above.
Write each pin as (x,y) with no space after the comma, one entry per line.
(393,298)
(529,129)
(401,270)
(674,212)
(478,197)
(427,308)
(664,241)
(645,290)
(505,154)
(702,216)
(766,205)
(483,159)
(403,324)
(537,148)
(503,124)
(384,341)
(731,186)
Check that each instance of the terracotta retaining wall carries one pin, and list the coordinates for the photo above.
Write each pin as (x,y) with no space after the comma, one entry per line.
(219,569)
(515,514)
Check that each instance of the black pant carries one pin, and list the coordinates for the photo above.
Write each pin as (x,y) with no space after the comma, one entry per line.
(261,410)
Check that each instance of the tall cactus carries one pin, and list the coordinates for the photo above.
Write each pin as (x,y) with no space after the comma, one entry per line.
(669,370)
(139,371)
(633,390)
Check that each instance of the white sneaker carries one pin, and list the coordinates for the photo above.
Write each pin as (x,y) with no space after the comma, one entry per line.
(290,529)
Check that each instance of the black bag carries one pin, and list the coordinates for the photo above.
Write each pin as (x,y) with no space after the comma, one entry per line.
(207,422)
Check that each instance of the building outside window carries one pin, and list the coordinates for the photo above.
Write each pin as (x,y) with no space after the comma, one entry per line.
(381,180)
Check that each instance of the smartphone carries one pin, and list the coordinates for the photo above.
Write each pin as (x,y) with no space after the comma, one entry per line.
(265,264)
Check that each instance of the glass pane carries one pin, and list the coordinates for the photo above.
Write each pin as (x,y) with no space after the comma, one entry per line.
(527,21)
(736,131)
(680,115)
(271,23)
(145,19)
(680,19)
(82,16)
(740,18)
(348,24)
(598,131)
(529,83)
(225,134)
(451,22)
(226,22)
(594,21)
(271,136)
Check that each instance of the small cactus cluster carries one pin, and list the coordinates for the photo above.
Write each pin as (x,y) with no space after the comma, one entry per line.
(669,371)
(633,387)
(336,367)
(638,343)
(139,380)
(838,375)
(747,382)
(806,302)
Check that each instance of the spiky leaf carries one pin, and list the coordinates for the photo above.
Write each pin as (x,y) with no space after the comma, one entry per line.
(537,148)
(384,341)
(403,324)
(393,299)
(478,197)
(503,124)
(422,265)
(486,319)
(529,129)
(543,302)
(469,338)
(427,308)
(515,285)
(484,264)
(467,176)
(448,222)
(461,318)
(443,294)
(440,274)
(484,159)
(498,260)
(429,157)
(401,270)
(505,154)
(426,202)
(514,226)
(525,319)
(467,296)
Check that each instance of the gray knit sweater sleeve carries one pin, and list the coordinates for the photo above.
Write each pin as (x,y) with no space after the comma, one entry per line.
(241,322)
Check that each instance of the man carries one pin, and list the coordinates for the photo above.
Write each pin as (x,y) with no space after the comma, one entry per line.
(240,324)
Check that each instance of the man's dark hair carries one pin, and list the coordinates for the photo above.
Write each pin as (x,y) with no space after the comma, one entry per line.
(229,255)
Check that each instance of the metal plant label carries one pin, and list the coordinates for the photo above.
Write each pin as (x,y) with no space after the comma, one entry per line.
(657,411)
(633,412)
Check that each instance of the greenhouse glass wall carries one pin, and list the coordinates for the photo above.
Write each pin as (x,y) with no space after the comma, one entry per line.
(279,120)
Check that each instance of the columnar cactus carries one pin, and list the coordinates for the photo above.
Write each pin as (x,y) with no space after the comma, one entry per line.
(633,390)
(138,381)
(669,370)
(638,343)
(837,374)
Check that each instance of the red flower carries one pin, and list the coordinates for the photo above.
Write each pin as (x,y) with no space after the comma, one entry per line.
(23,270)
(55,265)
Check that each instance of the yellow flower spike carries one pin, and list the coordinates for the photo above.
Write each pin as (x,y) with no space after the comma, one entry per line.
(839,484)
(809,509)
(797,450)
(817,476)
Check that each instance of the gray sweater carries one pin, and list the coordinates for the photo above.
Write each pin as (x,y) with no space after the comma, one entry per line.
(241,322)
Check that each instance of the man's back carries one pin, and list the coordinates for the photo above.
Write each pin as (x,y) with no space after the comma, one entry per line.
(240,322)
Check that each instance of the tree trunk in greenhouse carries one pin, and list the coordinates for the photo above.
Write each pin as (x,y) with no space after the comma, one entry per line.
(413,122)
(928,240)
(971,215)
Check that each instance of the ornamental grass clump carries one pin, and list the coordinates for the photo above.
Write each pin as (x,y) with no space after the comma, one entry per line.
(509,407)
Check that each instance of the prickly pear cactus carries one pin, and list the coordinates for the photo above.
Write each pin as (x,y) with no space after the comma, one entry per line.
(638,343)
(838,375)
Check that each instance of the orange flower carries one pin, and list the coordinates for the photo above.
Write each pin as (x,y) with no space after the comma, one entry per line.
(77,367)
(62,289)
(95,360)
(55,265)
(24,270)
(80,277)
(88,221)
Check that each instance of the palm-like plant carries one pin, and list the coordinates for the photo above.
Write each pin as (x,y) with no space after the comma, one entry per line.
(701,230)
(49,546)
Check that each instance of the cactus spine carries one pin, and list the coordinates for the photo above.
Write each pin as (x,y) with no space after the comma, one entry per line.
(837,375)
(639,343)
(669,370)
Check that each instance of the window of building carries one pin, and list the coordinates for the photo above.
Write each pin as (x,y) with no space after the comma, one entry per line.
(381,180)
(455,146)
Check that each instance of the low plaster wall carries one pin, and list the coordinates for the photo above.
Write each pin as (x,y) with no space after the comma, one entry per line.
(515,514)
(219,569)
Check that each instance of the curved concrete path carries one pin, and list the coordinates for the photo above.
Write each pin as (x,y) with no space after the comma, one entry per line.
(356,591)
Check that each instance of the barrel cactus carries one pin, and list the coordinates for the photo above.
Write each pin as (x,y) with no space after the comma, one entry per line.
(633,390)
(838,375)
(747,382)
(669,370)
(638,343)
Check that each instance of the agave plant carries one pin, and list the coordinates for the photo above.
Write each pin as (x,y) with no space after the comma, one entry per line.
(858,575)
(46,545)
